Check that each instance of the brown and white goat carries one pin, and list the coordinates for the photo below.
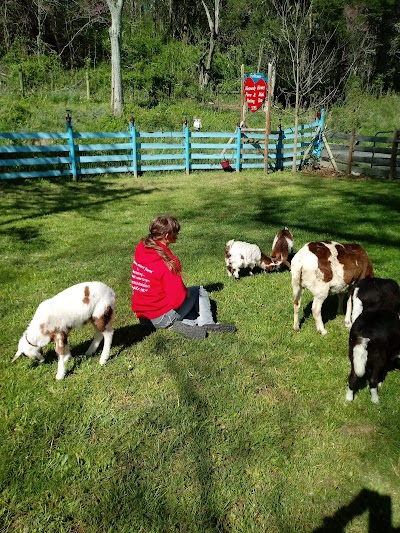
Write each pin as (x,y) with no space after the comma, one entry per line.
(282,248)
(239,254)
(327,268)
(54,318)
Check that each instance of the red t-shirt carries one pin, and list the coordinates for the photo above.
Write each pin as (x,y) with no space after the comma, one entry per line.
(156,289)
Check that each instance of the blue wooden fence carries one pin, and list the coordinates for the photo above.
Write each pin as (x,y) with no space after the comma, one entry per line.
(33,155)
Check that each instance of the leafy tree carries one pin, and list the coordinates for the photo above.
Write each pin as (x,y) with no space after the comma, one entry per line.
(311,57)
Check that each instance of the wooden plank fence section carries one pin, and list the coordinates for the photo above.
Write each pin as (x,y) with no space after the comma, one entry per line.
(375,155)
(83,153)
(76,154)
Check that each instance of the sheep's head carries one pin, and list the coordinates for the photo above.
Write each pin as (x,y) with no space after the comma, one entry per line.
(28,349)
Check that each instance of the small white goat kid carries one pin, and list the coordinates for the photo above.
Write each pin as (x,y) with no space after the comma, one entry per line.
(239,254)
(71,308)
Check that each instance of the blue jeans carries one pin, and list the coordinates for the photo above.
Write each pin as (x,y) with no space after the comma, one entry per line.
(195,311)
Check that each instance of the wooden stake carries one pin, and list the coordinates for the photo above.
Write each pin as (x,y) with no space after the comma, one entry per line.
(328,149)
(268,117)
(242,99)
(87,86)
(21,82)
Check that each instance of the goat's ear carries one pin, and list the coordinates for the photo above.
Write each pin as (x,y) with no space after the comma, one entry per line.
(16,356)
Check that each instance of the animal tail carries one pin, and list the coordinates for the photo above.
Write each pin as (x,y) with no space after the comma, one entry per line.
(360,356)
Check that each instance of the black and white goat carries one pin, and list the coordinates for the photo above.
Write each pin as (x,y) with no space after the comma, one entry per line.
(54,318)
(239,254)
(374,346)
(375,293)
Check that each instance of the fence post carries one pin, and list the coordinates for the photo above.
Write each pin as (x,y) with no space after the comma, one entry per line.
(68,120)
(21,82)
(268,118)
(87,85)
(279,148)
(317,148)
(351,150)
(238,147)
(186,146)
(393,155)
(132,130)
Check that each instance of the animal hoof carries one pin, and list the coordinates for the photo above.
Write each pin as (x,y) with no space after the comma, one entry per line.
(374,395)
(349,396)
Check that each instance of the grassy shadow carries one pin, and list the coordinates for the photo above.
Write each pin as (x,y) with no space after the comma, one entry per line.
(379,508)
(59,196)
(283,210)
(123,337)
(214,287)
(328,312)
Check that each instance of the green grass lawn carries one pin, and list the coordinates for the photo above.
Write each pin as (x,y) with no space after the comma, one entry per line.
(240,432)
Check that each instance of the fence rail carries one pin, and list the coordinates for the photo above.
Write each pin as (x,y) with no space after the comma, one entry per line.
(76,154)
(376,155)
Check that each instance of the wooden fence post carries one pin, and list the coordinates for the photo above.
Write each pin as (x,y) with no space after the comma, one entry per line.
(68,120)
(268,118)
(243,102)
(351,150)
(21,82)
(330,154)
(393,155)
(132,130)
(87,85)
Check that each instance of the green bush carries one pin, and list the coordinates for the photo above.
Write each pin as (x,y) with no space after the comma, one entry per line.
(40,74)
(169,74)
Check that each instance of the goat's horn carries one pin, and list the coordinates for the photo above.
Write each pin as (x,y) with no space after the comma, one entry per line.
(16,356)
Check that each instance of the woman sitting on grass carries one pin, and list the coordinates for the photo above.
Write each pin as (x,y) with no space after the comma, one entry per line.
(160,298)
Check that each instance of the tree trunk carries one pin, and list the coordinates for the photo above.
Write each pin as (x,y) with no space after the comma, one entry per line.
(40,18)
(115,7)
(213,23)
(205,68)
(296,120)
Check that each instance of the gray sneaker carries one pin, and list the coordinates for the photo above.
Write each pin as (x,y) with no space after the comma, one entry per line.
(191,332)
(219,328)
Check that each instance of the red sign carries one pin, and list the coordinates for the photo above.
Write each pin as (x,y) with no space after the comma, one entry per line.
(255,93)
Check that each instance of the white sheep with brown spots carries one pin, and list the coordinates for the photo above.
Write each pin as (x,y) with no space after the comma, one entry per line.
(54,318)
(239,254)
(327,268)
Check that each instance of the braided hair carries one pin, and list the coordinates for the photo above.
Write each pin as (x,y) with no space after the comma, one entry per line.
(158,228)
